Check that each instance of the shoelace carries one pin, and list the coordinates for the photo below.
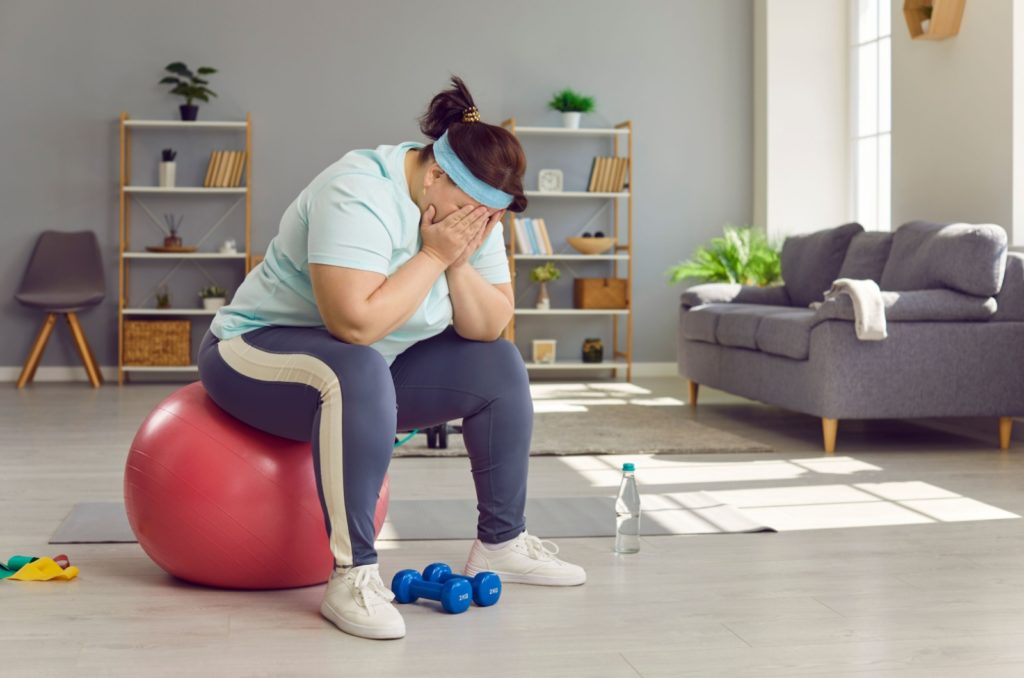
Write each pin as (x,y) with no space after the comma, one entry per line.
(367,580)
(537,548)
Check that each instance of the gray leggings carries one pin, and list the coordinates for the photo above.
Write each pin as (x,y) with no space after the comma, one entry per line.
(302,383)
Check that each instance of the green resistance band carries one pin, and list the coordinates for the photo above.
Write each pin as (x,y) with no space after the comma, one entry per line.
(403,441)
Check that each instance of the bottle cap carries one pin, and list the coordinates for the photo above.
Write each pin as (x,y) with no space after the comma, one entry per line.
(628,467)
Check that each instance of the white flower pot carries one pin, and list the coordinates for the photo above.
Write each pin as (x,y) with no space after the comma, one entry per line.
(571,119)
(213,303)
(167,174)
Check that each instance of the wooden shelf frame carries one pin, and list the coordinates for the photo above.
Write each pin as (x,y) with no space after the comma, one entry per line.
(126,192)
(620,359)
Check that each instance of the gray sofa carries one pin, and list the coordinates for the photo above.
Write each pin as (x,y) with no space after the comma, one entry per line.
(954,306)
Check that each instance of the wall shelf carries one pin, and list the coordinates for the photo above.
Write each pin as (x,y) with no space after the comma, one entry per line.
(622,253)
(129,192)
(944,22)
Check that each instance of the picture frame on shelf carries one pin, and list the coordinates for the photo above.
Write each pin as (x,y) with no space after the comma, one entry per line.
(544,351)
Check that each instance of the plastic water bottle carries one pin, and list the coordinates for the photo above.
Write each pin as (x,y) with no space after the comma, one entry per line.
(627,513)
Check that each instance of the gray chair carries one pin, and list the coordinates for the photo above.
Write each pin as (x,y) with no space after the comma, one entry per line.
(64,276)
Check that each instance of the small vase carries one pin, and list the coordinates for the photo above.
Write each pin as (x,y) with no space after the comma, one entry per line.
(167,174)
(571,119)
(188,112)
(543,300)
(213,303)
(593,351)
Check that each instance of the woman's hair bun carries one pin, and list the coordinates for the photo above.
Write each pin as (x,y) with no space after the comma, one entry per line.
(446,108)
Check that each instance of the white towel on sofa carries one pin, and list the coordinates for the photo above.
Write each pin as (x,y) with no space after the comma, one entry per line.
(868,308)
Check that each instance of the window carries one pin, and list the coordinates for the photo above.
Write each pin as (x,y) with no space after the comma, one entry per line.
(871,113)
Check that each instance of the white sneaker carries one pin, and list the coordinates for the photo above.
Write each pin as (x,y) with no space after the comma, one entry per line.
(525,560)
(357,602)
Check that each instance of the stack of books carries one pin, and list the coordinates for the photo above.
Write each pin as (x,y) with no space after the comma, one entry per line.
(531,236)
(225,169)
(608,175)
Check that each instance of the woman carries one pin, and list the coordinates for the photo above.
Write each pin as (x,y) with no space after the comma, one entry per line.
(378,308)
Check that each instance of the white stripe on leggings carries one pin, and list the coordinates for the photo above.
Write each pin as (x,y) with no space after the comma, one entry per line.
(301,368)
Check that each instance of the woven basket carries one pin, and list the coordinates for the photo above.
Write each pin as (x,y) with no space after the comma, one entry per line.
(599,293)
(157,342)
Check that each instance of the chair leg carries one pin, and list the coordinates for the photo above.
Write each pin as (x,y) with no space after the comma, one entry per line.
(1005,429)
(28,372)
(829,427)
(91,369)
(694,388)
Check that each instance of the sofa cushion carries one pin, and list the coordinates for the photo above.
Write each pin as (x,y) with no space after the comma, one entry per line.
(810,263)
(865,258)
(737,324)
(969,258)
(726,324)
(918,306)
(698,324)
(788,333)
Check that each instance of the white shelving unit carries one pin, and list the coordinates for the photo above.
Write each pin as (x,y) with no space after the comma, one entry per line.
(622,253)
(129,192)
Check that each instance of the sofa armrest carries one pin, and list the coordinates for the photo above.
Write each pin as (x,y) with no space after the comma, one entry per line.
(724,293)
(917,306)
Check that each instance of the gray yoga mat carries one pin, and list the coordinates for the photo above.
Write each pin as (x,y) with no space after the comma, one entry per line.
(427,519)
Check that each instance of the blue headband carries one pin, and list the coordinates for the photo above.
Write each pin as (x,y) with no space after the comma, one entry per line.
(478,190)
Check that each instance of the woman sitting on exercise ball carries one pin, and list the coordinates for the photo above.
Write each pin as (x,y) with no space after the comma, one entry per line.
(379,308)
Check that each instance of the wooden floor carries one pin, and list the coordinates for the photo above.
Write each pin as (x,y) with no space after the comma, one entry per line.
(942,597)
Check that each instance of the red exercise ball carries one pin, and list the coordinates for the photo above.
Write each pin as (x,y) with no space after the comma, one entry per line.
(217,502)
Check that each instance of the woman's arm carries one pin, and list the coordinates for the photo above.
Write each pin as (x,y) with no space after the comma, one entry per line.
(362,307)
(481,310)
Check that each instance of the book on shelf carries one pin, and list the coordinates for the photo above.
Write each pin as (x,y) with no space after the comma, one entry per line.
(545,237)
(608,174)
(211,169)
(531,236)
(225,169)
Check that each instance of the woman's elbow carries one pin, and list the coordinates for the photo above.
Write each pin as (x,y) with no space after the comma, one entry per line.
(350,333)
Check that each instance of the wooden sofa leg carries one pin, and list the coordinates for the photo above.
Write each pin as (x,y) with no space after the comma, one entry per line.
(829,427)
(1005,429)
(694,388)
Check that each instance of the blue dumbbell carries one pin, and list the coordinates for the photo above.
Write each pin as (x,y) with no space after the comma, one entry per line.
(486,585)
(454,595)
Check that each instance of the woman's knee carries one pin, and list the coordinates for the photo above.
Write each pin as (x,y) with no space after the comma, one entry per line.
(363,374)
(503,366)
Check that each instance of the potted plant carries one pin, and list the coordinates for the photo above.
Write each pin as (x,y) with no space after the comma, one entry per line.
(742,255)
(190,86)
(572,105)
(213,297)
(163,297)
(167,167)
(544,274)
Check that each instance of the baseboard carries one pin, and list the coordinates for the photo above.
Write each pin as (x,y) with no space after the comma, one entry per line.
(58,373)
(77,373)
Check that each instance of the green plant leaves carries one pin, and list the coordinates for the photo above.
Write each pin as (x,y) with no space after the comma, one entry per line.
(740,255)
(570,101)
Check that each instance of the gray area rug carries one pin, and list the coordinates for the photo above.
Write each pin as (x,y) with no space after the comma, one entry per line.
(616,418)
(428,519)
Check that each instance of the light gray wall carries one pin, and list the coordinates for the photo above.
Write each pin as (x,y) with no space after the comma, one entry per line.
(321,78)
(952,120)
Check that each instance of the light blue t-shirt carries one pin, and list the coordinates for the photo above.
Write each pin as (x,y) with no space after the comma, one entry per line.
(357,213)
